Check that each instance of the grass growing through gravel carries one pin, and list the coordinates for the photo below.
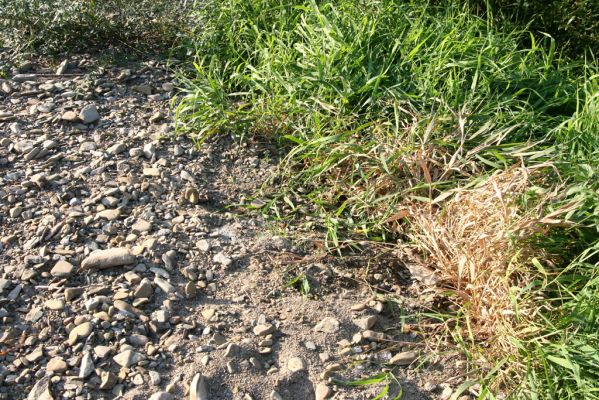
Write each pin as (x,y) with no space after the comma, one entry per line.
(55,27)
(427,126)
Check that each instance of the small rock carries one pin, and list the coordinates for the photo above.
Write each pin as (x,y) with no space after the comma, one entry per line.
(101,259)
(56,364)
(107,380)
(404,358)
(62,269)
(71,294)
(116,149)
(80,332)
(41,390)
(296,364)
(87,366)
(154,378)
(366,322)
(15,211)
(197,388)
(327,325)
(373,336)
(274,395)
(222,259)
(150,171)
(203,245)
(263,329)
(89,114)
(62,68)
(54,304)
(110,214)
(141,226)
(128,358)
(144,289)
(191,195)
(323,391)
(165,286)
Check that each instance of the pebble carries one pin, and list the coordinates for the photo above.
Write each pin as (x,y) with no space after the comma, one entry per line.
(101,259)
(144,289)
(128,358)
(323,392)
(263,329)
(80,332)
(56,364)
(296,364)
(89,114)
(164,285)
(366,322)
(54,304)
(41,390)
(87,365)
(404,358)
(197,388)
(62,269)
(327,325)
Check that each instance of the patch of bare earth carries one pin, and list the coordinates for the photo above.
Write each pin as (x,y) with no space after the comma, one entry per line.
(193,283)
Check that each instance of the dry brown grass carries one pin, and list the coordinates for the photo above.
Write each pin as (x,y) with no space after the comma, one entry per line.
(477,244)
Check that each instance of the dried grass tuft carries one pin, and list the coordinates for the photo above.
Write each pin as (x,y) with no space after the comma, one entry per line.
(477,243)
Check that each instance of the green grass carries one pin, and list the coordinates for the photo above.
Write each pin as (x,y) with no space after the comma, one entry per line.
(385,103)
(52,27)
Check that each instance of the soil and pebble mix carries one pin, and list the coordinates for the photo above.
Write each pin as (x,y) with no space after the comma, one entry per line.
(128,270)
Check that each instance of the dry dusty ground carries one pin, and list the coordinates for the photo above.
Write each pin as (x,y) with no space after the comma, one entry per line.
(88,161)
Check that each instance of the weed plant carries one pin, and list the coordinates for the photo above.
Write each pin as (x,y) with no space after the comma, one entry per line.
(404,120)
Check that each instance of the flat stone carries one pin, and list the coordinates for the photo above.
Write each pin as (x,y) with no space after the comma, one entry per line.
(404,358)
(144,289)
(102,351)
(101,259)
(80,332)
(70,116)
(153,172)
(56,364)
(124,306)
(263,329)
(164,285)
(41,390)
(203,245)
(154,377)
(54,304)
(323,392)
(62,269)
(208,313)
(296,364)
(141,226)
(222,259)
(109,214)
(128,358)
(35,355)
(327,325)
(71,294)
(117,148)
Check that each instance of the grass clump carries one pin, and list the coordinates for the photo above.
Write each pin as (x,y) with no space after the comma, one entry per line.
(425,122)
(53,26)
